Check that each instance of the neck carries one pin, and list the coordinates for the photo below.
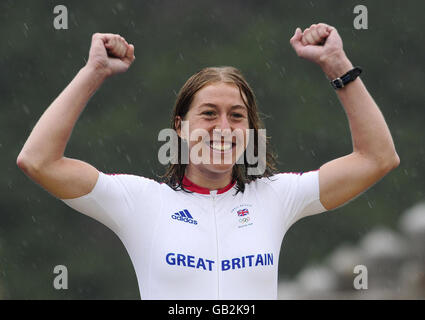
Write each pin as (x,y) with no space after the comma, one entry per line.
(208,179)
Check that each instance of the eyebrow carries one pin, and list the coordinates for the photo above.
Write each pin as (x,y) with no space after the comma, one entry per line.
(237,106)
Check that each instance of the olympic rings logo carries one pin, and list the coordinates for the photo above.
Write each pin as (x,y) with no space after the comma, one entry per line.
(244,220)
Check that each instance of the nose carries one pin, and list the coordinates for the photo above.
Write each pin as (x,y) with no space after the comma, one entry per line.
(223,123)
(222,129)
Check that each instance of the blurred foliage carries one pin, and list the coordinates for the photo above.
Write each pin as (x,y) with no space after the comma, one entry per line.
(118,130)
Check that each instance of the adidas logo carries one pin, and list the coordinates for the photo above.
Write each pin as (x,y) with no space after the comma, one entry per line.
(184,216)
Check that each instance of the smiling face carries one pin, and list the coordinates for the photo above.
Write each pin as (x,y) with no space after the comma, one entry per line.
(217,121)
(218,98)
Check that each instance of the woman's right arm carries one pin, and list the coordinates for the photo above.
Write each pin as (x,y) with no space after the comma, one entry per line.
(42,156)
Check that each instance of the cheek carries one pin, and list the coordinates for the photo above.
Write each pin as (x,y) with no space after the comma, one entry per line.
(242,142)
(243,132)
(190,127)
(197,136)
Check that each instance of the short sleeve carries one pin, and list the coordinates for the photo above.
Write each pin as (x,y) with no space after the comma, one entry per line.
(114,198)
(299,194)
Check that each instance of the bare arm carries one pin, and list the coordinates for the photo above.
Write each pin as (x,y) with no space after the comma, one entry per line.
(374,154)
(42,156)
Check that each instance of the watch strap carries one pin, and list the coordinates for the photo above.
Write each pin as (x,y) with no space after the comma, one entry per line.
(348,77)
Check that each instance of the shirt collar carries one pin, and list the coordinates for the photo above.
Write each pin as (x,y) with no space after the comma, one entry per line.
(189,185)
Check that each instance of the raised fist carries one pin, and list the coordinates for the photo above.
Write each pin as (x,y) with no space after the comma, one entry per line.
(319,43)
(110,53)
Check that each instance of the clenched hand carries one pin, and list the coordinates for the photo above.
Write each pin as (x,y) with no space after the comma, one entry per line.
(321,44)
(110,53)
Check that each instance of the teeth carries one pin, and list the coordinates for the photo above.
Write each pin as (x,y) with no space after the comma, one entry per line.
(221,146)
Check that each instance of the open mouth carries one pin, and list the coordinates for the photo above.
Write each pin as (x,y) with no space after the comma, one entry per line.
(221,146)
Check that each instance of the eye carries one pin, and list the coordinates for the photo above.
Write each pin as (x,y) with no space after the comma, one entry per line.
(208,113)
(237,115)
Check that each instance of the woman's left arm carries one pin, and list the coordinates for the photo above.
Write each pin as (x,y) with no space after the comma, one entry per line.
(374,154)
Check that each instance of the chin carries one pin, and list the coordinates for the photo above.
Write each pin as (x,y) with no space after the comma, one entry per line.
(218,168)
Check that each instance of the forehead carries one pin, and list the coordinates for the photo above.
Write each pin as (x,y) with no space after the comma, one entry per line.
(219,93)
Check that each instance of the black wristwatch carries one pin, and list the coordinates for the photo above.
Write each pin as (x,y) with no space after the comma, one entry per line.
(342,81)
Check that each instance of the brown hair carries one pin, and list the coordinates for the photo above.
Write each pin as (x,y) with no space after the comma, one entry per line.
(175,172)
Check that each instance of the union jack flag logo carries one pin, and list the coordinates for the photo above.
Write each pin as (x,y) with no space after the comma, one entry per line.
(243,212)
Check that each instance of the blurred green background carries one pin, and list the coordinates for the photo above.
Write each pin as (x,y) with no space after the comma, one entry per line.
(118,130)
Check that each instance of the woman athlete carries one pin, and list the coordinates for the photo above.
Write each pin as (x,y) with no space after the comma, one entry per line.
(213,230)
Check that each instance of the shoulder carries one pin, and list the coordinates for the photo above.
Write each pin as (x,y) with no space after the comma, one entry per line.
(128,180)
(281,176)
(285,179)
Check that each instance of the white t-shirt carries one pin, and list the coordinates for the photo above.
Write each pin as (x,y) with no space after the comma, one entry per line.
(204,244)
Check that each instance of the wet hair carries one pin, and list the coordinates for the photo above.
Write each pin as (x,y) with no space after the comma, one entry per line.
(226,74)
